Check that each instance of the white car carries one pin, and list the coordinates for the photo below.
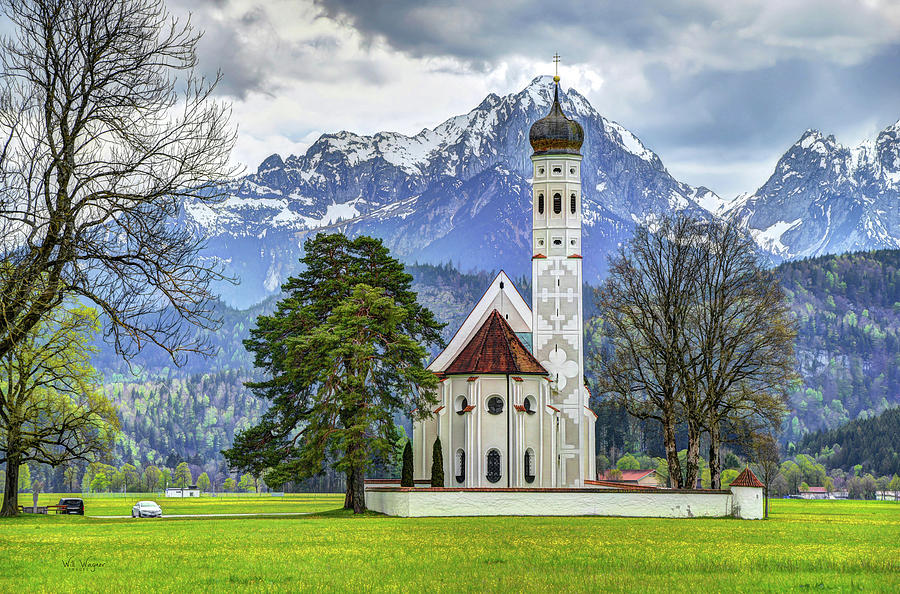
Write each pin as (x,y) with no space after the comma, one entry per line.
(146,509)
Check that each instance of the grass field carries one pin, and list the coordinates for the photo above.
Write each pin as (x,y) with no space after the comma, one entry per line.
(230,504)
(806,545)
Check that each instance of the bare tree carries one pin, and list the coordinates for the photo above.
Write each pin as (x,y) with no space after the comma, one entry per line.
(106,130)
(645,303)
(742,341)
(766,456)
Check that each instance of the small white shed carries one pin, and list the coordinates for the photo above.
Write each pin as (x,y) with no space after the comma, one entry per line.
(191,491)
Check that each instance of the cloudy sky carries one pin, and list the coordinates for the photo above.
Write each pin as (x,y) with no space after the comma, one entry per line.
(718,89)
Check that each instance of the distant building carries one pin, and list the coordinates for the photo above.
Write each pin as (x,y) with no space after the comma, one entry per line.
(644,478)
(191,491)
(814,493)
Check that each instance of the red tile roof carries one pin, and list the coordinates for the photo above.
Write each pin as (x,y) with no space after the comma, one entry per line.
(438,409)
(620,485)
(495,348)
(519,407)
(814,490)
(746,479)
(553,407)
(627,475)
(469,408)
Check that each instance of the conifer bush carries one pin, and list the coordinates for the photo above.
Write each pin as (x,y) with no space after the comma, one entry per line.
(406,476)
(437,464)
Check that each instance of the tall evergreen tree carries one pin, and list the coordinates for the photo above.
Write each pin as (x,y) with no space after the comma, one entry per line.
(344,352)
(406,477)
(437,464)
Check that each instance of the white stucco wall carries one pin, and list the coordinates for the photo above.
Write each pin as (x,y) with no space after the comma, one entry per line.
(747,502)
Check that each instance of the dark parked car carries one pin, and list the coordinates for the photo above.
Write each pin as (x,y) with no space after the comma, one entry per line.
(71,506)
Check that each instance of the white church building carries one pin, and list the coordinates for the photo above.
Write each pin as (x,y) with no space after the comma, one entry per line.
(516,432)
(513,408)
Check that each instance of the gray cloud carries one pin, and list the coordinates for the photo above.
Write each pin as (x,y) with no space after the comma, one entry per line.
(711,86)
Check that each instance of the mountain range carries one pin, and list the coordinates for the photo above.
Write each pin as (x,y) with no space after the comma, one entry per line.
(460,193)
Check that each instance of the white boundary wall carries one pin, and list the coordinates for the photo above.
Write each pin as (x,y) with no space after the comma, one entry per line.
(740,502)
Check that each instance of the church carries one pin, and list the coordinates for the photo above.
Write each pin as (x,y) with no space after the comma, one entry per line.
(513,408)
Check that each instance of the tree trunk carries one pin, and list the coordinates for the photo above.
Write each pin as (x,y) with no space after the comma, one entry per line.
(691,466)
(11,493)
(715,472)
(359,492)
(348,496)
(675,479)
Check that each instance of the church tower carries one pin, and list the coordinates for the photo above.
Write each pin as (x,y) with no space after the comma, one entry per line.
(557,323)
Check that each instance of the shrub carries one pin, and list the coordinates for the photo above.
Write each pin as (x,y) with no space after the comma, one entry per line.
(406,477)
(437,464)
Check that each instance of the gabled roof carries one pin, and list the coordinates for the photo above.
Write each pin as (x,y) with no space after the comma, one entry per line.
(500,295)
(495,348)
(627,475)
(746,479)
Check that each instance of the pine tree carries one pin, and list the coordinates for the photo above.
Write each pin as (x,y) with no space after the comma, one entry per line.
(344,351)
(406,478)
(437,464)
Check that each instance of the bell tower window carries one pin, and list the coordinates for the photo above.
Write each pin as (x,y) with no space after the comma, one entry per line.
(557,203)
(540,204)
(572,203)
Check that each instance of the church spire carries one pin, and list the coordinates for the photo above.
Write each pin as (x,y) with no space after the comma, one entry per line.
(555,133)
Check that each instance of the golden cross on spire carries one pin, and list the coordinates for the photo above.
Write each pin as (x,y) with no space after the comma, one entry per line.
(556,67)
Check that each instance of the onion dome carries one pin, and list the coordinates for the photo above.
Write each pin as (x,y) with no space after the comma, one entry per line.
(555,133)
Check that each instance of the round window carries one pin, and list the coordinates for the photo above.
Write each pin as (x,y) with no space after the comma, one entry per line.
(495,405)
(529,405)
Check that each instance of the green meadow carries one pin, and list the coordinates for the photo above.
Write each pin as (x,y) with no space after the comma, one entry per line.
(805,545)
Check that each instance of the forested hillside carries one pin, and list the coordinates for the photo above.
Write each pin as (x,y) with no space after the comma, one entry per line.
(873,443)
(195,409)
(848,344)
(848,314)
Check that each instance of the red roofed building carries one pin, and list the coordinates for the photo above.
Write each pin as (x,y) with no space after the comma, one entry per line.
(814,493)
(644,478)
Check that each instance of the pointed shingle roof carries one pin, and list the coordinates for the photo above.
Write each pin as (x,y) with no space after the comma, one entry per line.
(746,479)
(495,348)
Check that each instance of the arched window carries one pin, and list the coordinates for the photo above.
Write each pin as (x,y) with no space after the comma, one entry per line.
(540,204)
(460,466)
(529,465)
(529,404)
(493,466)
(572,203)
(495,405)
(557,203)
(461,404)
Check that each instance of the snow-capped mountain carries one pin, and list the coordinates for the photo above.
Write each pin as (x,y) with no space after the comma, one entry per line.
(825,198)
(457,192)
